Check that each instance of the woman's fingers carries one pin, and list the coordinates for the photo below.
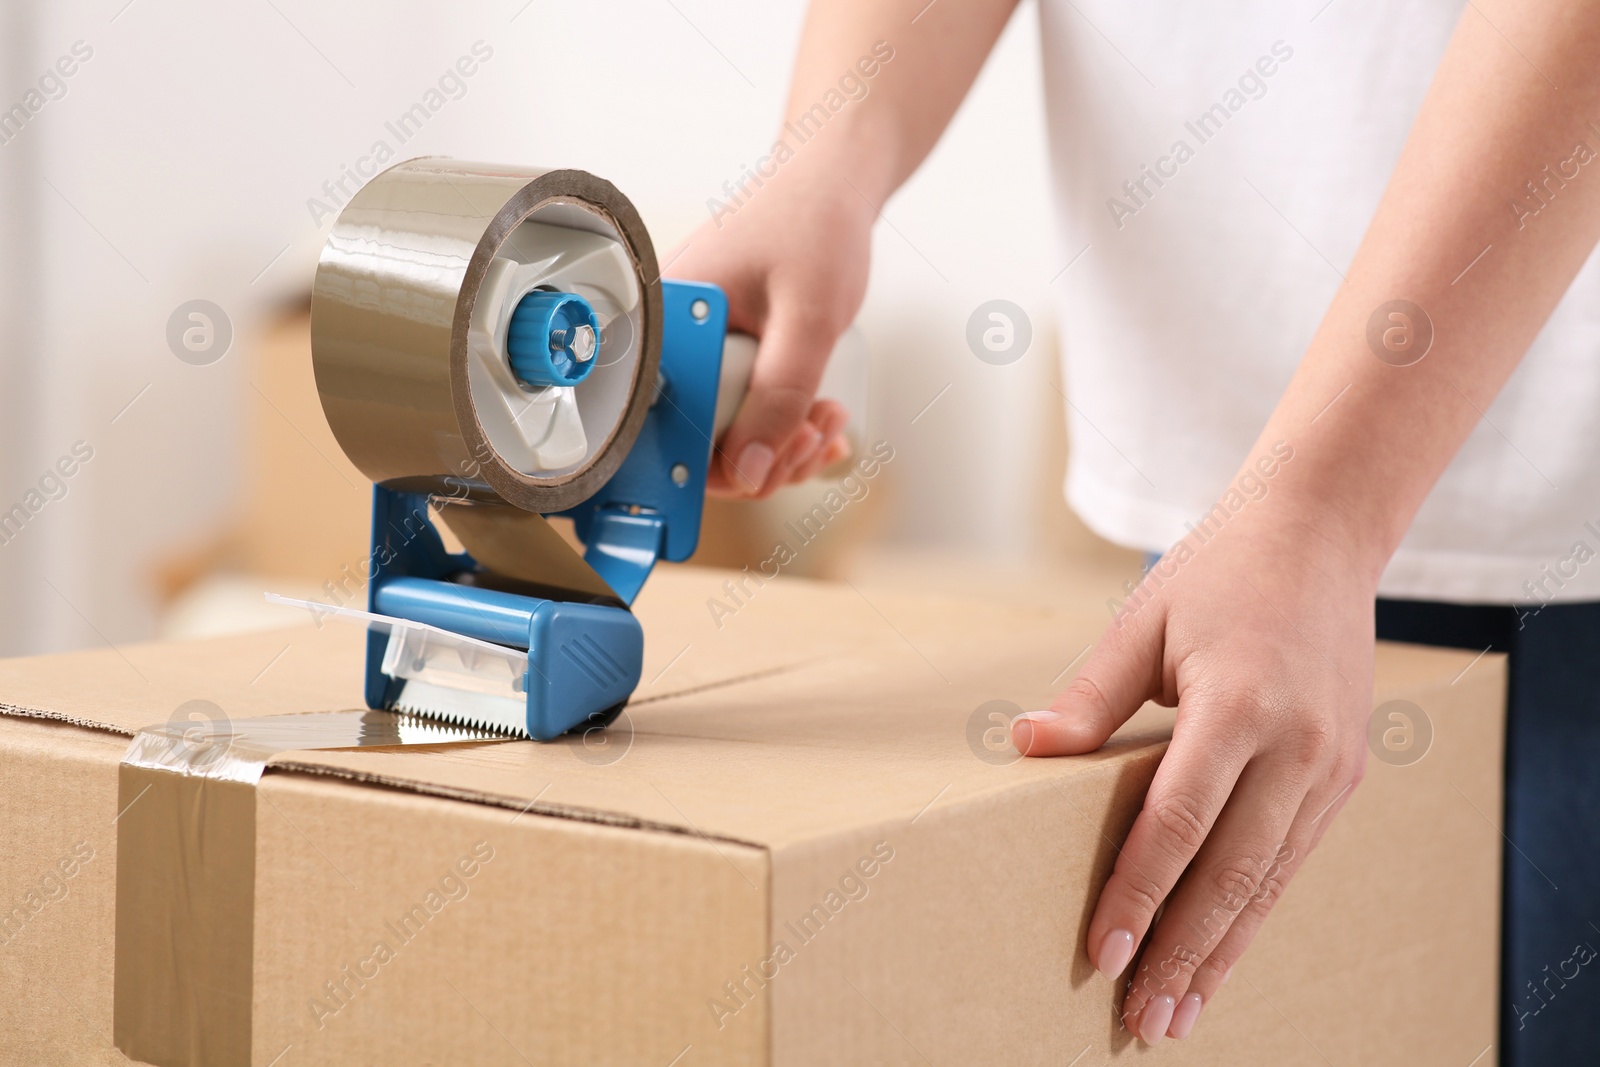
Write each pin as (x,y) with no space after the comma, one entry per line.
(816,443)
(783,386)
(1316,813)
(811,445)
(833,449)
(1263,753)
(1181,807)
(1236,868)
(830,418)
(806,442)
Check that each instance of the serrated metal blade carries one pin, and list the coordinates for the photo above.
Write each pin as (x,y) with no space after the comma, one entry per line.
(447,677)
(484,711)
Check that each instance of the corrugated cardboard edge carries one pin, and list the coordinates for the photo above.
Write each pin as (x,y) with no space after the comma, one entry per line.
(17,711)
(558,811)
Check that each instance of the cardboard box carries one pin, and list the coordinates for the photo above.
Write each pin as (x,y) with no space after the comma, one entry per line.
(795,849)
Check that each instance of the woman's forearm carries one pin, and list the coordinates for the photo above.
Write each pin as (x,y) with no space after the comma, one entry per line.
(1492,210)
(923,58)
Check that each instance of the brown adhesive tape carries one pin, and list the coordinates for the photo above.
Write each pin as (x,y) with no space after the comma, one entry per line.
(521,545)
(185,913)
(186,872)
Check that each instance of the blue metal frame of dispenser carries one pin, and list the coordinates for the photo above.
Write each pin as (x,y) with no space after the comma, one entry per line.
(583,659)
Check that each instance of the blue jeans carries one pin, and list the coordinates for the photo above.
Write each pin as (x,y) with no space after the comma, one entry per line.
(1550,910)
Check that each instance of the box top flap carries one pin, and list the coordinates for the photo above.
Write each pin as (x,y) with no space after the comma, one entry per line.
(769,714)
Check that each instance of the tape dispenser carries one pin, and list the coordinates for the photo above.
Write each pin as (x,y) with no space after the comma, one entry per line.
(493,347)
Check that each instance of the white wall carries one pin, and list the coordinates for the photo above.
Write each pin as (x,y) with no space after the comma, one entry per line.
(179,163)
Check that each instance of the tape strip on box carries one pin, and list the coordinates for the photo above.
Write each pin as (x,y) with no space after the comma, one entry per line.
(186,872)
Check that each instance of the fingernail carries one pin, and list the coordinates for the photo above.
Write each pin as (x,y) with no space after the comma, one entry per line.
(1116,949)
(1155,1019)
(755,463)
(1183,1018)
(1022,728)
(1227,974)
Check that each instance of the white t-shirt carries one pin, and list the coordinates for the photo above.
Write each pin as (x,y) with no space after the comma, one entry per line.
(1256,138)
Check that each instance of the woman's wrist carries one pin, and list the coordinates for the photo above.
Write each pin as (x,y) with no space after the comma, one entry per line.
(856,152)
(1309,513)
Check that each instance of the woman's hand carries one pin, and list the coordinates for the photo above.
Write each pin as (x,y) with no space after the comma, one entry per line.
(793,261)
(1262,635)
(869,97)
(1260,626)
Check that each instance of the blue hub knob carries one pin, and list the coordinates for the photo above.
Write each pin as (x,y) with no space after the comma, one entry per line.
(554,339)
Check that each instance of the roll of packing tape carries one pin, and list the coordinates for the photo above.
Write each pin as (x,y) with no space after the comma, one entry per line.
(411,317)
